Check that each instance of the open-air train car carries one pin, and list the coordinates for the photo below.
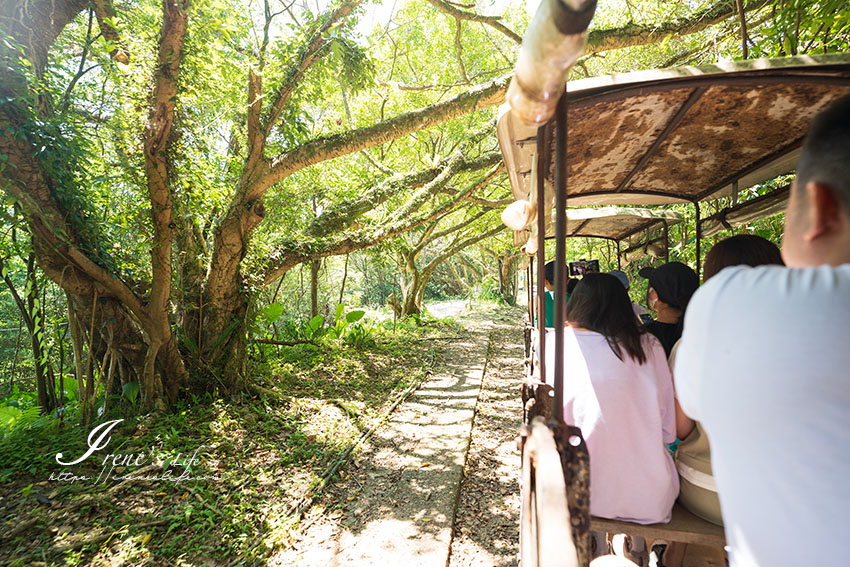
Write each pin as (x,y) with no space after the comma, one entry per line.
(683,135)
(634,232)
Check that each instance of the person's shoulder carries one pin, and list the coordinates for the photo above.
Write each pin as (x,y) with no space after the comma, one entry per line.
(739,294)
(770,281)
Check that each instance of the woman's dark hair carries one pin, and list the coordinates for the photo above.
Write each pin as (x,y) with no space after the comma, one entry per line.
(600,303)
(747,249)
(571,285)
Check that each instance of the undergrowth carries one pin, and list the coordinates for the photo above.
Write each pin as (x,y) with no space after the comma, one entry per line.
(244,462)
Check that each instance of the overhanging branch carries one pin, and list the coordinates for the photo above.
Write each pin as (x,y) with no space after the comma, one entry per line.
(329,147)
(492,21)
(632,35)
(105,12)
(341,215)
(293,253)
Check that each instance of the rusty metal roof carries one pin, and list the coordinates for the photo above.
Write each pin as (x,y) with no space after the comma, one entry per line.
(762,207)
(681,134)
(612,223)
(616,223)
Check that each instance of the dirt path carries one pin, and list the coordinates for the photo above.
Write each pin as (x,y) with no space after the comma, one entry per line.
(396,502)
(487,520)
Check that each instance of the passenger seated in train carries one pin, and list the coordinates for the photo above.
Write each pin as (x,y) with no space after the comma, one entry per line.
(550,305)
(549,286)
(697,489)
(693,456)
(640,312)
(619,391)
(670,289)
(763,366)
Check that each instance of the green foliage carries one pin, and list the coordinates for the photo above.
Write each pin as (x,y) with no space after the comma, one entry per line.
(346,326)
(11,417)
(489,289)
(130,390)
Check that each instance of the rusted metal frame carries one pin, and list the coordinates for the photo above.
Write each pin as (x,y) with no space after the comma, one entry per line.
(541,255)
(674,121)
(681,198)
(748,203)
(575,463)
(643,244)
(644,226)
(699,238)
(560,253)
(619,261)
(545,509)
(751,168)
(579,227)
(592,96)
(536,400)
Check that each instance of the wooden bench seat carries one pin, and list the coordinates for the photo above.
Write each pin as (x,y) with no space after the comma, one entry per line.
(683,526)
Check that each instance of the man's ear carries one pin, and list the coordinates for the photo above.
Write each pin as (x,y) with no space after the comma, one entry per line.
(824,211)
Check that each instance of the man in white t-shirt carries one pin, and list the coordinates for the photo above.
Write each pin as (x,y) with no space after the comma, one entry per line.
(764,365)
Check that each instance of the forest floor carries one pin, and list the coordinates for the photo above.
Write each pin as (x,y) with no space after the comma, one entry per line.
(258,463)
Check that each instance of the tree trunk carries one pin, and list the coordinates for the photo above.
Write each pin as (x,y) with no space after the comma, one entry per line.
(103,304)
(344,277)
(507,279)
(413,291)
(314,287)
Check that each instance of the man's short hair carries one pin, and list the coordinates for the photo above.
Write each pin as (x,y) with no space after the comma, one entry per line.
(825,156)
(549,272)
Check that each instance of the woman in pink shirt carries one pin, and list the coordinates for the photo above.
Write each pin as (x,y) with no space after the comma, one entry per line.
(618,390)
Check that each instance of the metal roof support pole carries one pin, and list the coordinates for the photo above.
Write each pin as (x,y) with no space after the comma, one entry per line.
(666,243)
(699,238)
(560,253)
(541,255)
(734,200)
(530,298)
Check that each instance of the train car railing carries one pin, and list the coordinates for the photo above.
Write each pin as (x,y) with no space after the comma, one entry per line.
(556,497)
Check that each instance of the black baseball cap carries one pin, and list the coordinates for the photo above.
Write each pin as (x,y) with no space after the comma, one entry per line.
(674,283)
